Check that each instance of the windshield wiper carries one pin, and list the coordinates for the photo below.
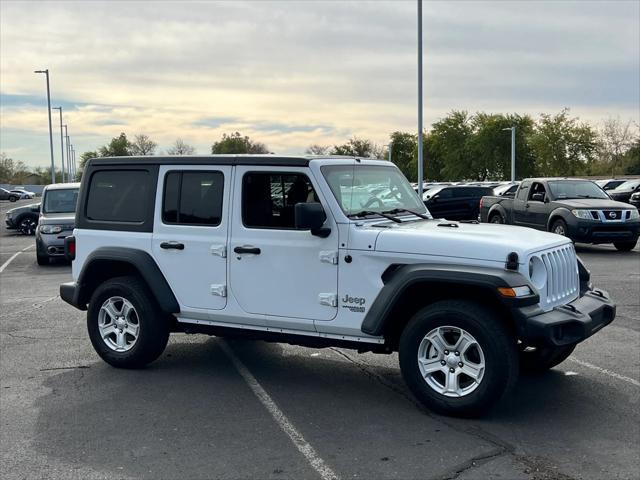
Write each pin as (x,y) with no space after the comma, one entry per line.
(364,213)
(400,210)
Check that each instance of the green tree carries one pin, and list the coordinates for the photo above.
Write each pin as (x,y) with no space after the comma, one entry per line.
(142,145)
(356,147)
(13,171)
(449,145)
(563,145)
(119,146)
(490,146)
(236,143)
(404,153)
(631,159)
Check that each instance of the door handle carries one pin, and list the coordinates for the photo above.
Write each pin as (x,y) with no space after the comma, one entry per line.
(172,245)
(247,249)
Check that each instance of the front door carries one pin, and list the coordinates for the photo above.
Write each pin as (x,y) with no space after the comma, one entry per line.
(190,233)
(276,269)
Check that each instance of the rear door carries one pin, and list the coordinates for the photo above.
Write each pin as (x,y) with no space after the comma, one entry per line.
(190,233)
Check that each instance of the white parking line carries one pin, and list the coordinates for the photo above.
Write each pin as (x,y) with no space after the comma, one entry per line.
(283,422)
(12,258)
(605,371)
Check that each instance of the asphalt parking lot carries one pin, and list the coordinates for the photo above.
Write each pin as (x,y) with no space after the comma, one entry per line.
(198,412)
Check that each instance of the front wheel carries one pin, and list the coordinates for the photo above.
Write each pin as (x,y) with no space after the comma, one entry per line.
(125,324)
(12,198)
(559,227)
(543,358)
(458,358)
(27,225)
(42,259)
(625,246)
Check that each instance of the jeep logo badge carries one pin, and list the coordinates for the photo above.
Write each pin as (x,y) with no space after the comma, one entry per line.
(612,214)
(354,304)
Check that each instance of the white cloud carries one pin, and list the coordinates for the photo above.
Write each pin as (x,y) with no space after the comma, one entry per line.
(161,67)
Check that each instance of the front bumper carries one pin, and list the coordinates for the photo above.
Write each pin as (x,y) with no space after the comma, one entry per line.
(9,222)
(566,324)
(589,231)
(51,244)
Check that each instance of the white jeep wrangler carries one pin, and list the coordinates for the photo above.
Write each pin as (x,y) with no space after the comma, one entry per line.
(322,252)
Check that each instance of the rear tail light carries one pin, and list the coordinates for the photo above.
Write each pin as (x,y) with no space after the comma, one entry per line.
(481,203)
(70,248)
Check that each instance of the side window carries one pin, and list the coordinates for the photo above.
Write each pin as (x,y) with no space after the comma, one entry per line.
(118,196)
(536,188)
(445,193)
(269,199)
(193,198)
(524,191)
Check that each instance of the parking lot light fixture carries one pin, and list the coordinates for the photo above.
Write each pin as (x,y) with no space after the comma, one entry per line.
(53,168)
(61,142)
(513,152)
(420,149)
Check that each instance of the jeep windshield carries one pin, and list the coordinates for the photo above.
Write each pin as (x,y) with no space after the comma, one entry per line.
(564,189)
(61,200)
(364,190)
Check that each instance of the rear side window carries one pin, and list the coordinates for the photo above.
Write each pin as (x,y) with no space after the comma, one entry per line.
(524,191)
(118,196)
(193,198)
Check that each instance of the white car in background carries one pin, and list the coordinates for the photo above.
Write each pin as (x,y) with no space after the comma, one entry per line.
(24,194)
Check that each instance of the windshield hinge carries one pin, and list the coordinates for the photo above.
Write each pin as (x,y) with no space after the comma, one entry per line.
(219,250)
(329,256)
(328,299)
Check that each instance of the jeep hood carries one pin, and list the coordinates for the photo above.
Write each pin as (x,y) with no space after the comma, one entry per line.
(484,241)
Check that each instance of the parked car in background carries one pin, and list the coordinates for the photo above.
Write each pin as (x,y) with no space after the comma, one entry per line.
(610,183)
(455,202)
(24,194)
(7,195)
(57,220)
(578,209)
(23,218)
(635,200)
(623,192)
(508,190)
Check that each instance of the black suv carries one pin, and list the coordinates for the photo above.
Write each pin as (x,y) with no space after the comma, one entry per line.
(455,202)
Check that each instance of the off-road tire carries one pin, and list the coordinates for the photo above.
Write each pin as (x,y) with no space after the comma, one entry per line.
(153,323)
(498,345)
(544,358)
(625,246)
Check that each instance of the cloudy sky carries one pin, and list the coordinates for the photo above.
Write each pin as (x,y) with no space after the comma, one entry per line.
(292,73)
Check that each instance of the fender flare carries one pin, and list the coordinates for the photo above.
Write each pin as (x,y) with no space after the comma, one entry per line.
(379,317)
(140,261)
(496,207)
(561,212)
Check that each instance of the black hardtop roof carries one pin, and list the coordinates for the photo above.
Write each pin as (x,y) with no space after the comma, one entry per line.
(274,160)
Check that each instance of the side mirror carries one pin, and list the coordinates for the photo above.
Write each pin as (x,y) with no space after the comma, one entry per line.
(537,197)
(311,216)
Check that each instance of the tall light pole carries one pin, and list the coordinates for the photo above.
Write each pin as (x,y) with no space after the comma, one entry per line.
(66,137)
(513,152)
(389,149)
(73,164)
(61,142)
(53,167)
(420,155)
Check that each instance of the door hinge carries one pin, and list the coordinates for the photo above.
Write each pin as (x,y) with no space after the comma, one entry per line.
(219,290)
(219,250)
(328,299)
(329,256)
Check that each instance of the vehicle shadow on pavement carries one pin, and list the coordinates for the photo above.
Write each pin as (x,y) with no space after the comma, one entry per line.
(190,414)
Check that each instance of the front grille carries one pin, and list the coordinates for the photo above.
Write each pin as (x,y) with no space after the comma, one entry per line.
(612,214)
(562,276)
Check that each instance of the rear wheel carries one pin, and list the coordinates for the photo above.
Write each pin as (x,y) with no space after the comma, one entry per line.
(126,326)
(544,358)
(496,218)
(458,358)
(625,246)
(13,198)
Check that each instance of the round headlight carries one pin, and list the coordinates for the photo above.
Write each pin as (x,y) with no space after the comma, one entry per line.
(537,272)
